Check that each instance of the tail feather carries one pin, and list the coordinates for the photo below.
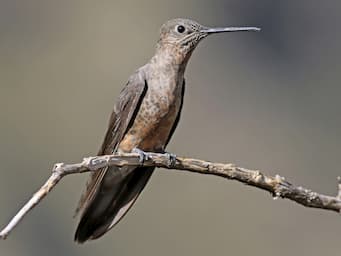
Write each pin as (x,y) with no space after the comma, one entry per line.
(111,202)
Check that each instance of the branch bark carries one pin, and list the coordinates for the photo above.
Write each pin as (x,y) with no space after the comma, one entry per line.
(276,185)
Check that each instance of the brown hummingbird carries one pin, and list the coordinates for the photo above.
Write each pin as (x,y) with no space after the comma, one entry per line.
(144,119)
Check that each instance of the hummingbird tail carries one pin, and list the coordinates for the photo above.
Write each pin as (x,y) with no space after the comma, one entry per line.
(114,197)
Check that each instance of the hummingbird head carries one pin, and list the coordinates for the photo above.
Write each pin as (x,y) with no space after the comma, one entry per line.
(184,34)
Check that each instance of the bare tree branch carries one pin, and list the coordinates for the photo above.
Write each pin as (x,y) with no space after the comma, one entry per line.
(276,185)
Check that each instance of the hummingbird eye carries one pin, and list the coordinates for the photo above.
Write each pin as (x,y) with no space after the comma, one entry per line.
(180,29)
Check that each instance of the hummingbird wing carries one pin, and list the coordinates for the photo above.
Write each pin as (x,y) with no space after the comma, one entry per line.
(112,191)
(121,119)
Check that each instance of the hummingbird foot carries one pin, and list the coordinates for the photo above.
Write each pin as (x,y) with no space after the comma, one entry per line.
(142,155)
(171,159)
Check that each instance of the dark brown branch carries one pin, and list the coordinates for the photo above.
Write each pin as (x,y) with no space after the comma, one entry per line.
(276,185)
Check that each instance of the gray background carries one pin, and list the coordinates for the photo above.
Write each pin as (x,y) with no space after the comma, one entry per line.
(266,100)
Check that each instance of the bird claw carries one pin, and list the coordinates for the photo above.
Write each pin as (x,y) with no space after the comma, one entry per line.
(171,159)
(142,155)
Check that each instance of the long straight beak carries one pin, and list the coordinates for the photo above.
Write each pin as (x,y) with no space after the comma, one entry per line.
(228,29)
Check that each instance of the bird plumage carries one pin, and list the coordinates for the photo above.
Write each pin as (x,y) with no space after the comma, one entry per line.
(145,116)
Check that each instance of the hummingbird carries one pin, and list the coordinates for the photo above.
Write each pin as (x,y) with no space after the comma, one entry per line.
(144,118)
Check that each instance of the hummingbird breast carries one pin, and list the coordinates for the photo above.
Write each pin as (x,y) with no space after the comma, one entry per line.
(157,114)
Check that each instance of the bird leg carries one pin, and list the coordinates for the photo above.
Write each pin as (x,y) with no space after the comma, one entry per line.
(142,155)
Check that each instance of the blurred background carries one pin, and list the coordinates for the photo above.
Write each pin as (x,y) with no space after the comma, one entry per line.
(267,100)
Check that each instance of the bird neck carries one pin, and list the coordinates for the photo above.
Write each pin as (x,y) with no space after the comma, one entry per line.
(170,56)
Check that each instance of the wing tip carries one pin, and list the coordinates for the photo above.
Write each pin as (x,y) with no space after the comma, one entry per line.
(80,238)
(84,234)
